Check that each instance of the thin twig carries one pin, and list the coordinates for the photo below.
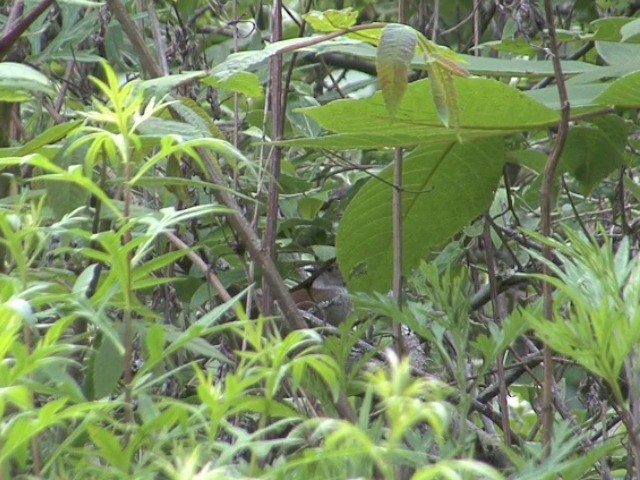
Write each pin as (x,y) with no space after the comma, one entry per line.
(292,63)
(546,192)
(436,20)
(573,207)
(11,36)
(485,17)
(398,240)
(464,20)
(212,278)
(57,106)
(626,229)
(476,27)
(12,19)
(498,315)
(577,54)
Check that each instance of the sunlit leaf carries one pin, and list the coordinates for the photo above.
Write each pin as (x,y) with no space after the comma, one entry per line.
(445,188)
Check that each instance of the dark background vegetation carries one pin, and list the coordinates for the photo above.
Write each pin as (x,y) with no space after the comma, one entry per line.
(176,175)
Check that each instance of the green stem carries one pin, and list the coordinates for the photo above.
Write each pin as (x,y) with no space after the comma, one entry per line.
(128,302)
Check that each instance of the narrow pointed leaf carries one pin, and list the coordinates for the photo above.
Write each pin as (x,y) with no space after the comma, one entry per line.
(444,94)
(442,67)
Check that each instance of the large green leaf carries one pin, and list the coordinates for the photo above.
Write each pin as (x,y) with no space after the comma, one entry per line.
(624,92)
(18,82)
(487,108)
(245,83)
(580,95)
(631,31)
(478,65)
(615,128)
(522,68)
(484,105)
(590,155)
(380,139)
(445,187)
(608,29)
(615,53)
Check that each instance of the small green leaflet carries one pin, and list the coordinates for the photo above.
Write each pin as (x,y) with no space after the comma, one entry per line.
(393,58)
(444,94)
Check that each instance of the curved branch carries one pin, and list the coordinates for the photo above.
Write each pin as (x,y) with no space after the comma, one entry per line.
(13,34)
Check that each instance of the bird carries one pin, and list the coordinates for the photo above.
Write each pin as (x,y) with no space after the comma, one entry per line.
(325,296)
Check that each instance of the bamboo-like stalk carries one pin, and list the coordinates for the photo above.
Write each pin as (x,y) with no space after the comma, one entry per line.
(275,157)
(547,227)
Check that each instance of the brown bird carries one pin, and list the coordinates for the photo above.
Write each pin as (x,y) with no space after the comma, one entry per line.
(326,296)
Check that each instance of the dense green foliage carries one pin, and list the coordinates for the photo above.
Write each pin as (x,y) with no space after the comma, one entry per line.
(170,170)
